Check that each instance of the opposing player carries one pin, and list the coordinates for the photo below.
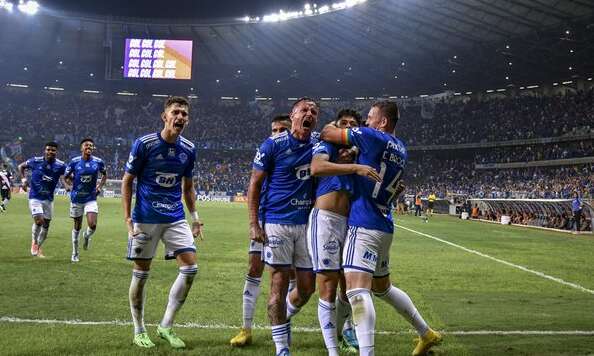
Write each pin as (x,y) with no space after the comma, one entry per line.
(46,171)
(251,288)
(81,174)
(327,231)
(162,164)
(5,187)
(366,254)
(284,162)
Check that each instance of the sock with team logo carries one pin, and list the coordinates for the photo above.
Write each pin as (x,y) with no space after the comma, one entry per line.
(251,290)
(35,230)
(42,236)
(291,309)
(75,234)
(343,313)
(363,318)
(89,233)
(292,284)
(137,296)
(178,293)
(280,336)
(327,318)
(398,299)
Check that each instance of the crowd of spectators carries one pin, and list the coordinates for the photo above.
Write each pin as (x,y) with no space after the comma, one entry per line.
(226,133)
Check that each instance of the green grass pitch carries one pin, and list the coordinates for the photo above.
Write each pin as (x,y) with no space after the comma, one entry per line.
(455,290)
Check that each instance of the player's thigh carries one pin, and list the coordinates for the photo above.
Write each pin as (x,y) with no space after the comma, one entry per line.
(143,245)
(91,210)
(177,238)
(279,249)
(326,235)
(361,250)
(301,256)
(382,268)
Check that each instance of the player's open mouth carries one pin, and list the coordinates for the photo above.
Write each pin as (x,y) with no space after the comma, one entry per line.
(307,124)
(178,125)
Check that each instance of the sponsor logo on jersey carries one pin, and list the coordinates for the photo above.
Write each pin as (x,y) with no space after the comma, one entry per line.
(166,180)
(303,172)
(86,178)
(301,202)
(165,206)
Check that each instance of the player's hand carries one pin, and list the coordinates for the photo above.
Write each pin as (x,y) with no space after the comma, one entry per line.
(197,227)
(24,184)
(257,233)
(367,171)
(98,190)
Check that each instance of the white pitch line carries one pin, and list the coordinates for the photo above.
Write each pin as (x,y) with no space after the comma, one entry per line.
(15,320)
(525,269)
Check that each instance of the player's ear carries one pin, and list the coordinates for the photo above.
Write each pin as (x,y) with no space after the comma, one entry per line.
(163,116)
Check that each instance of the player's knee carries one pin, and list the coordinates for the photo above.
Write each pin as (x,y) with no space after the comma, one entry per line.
(93,226)
(256,269)
(46,223)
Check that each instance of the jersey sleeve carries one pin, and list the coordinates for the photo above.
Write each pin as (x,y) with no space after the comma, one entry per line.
(365,139)
(101,166)
(62,170)
(264,156)
(69,169)
(189,171)
(29,163)
(136,158)
(322,148)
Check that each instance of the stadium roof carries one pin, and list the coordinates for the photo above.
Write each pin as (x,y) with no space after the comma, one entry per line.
(397,46)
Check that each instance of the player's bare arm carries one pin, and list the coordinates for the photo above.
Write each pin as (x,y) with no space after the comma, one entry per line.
(22,167)
(127,182)
(322,167)
(254,189)
(189,194)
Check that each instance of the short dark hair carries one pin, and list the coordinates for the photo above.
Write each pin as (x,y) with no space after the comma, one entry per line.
(86,139)
(349,112)
(51,144)
(303,98)
(280,118)
(176,100)
(388,109)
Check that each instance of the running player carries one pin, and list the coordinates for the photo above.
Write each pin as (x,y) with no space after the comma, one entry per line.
(366,253)
(284,162)
(45,173)
(162,164)
(251,288)
(82,173)
(5,187)
(327,231)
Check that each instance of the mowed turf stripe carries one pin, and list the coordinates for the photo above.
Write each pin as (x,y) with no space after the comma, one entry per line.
(478,253)
(10,319)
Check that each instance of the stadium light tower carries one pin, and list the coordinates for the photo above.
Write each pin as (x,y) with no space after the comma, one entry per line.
(28,7)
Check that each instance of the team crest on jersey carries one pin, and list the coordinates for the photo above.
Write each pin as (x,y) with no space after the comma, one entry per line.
(171,152)
(183,157)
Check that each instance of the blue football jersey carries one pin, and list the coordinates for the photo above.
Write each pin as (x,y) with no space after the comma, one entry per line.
(159,167)
(288,196)
(325,185)
(371,207)
(84,178)
(44,177)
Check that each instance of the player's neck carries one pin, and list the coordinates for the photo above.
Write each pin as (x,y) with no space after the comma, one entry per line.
(301,136)
(169,136)
(86,157)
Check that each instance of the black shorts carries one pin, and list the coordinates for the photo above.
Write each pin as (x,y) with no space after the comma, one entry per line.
(5,193)
(430,205)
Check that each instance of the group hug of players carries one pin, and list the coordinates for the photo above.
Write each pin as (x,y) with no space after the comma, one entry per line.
(320,212)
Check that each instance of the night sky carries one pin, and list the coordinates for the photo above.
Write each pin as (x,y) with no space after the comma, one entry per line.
(197,9)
